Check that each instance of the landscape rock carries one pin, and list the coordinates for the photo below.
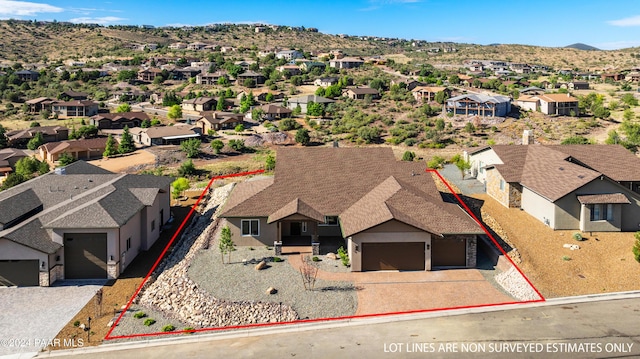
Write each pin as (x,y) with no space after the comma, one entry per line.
(272,290)
(573,247)
(331,256)
(262,265)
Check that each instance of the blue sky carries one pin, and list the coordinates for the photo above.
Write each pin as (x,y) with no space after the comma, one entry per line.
(604,24)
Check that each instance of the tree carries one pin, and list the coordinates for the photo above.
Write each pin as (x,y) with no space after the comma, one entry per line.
(288,124)
(146,123)
(223,81)
(600,112)
(239,128)
(454,79)
(269,97)
(439,124)
(237,145)
(369,134)
(28,167)
(302,136)
(636,247)
(226,243)
(34,124)
(65,159)
(441,97)
(125,107)
(191,147)
(377,84)
(175,112)
(36,141)
(629,99)
(613,138)
(217,145)
(111,148)
(315,109)
(220,104)
(576,140)
(628,114)
(13,179)
(462,164)
(408,156)
(179,186)
(186,169)
(126,142)
(3,139)
(469,127)
(250,83)
(270,162)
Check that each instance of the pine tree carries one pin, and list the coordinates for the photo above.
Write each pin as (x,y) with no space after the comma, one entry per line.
(126,143)
(111,148)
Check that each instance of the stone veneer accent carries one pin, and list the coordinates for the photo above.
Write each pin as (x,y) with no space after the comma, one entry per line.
(112,270)
(44,279)
(515,195)
(493,187)
(56,273)
(472,251)
(277,246)
(315,248)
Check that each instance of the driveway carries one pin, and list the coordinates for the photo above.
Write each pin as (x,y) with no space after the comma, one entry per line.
(393,291)
(467,185)
(34,315)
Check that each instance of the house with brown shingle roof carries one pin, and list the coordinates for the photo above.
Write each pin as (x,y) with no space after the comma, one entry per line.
(387,213)
(83,149)
(585,187)
(359,93)
(558,104)
(19,138)
(119,120)
(218,120)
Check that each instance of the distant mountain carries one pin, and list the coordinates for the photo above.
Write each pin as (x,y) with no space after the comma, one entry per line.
(581,46)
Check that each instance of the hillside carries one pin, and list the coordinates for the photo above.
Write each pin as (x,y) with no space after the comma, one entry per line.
(29,42)
(581,46)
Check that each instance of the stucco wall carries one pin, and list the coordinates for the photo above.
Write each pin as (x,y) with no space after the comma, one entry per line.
(538,207)
(131,230)
(268,233)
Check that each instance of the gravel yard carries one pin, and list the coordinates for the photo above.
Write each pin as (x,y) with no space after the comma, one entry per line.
(239,282)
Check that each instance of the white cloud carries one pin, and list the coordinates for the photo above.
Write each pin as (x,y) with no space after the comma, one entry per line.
(104,20)
(377,4)
(24,8)
(627,21)
(616,45)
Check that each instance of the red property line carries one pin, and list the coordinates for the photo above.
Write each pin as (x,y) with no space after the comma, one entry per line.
(302,321)
(464,205)
(166,248)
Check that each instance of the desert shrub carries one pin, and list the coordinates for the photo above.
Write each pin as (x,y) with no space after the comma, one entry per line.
(139,315)
(315,259)
(277,259)
(76,323)
(435,162)
(344,257)
(636,247)
(148,322)
(577,236)
(189,330)
(566,258)
(168,328)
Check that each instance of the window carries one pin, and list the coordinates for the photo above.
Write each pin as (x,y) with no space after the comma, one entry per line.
(128,243)
(153,225)
(481,167)
(502,185)
(330,221)
(304,227)
(602,212)
(250,227)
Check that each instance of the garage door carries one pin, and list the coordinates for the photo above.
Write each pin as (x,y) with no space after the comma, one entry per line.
(85,255)
(390,256)
(448,252)
(20,273)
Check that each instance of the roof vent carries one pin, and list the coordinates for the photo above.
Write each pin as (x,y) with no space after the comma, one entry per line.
(89,179)
(60,171)
(581,176)
(561,168)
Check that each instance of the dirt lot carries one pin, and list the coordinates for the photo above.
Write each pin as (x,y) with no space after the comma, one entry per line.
(120,164)
(117,293)
(604,262)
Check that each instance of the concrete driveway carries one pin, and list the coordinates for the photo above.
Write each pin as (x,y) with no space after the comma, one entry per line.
(31,316)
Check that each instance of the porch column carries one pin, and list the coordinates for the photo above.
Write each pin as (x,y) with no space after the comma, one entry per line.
(315,243)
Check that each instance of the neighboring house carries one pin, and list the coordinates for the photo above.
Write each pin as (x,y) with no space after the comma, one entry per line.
(578,85)
(40,104)
(73,95)
(291,69)
(199,104)
(85,149)
(346,63)
(262,95)
(531,91)
(19,138)
(196,46)
(273,112)
(163,135)
(567,187)
(302,101)
(558,104)
(424,94)
(118,120)
(326,81)
(75,108)
(632,77)
(479,104)
(310,65)
(148,75)
(28,75)
(528,103)
(359,93)
(178,46)
(612,77)
(256,76)
(217,120)
(210,78)
(79,222)
(388,213)
(289,55)
(8,159)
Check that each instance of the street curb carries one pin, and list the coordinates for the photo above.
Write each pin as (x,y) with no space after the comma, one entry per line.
(334,324)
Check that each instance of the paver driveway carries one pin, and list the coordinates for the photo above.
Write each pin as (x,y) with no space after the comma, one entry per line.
(393,291)
(31,314)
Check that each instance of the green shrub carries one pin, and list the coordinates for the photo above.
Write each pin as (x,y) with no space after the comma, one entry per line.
(344,257)
(189,330)
(277,259)
(566,258)
(148,322)
(315,259)
(636,247)
(435,162)
(578,237)
(168,328)
(139,315)
(76,323)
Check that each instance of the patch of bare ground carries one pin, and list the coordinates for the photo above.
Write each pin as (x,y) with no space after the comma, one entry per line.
(604,263)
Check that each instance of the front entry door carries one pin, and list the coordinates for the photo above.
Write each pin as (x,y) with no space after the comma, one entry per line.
(296,228)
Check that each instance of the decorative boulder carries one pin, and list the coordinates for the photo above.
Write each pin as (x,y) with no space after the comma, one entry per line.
(261,265)
(272,290)
(110,324)
(331,256)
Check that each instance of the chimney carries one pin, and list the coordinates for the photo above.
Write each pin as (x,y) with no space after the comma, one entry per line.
(527,137)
